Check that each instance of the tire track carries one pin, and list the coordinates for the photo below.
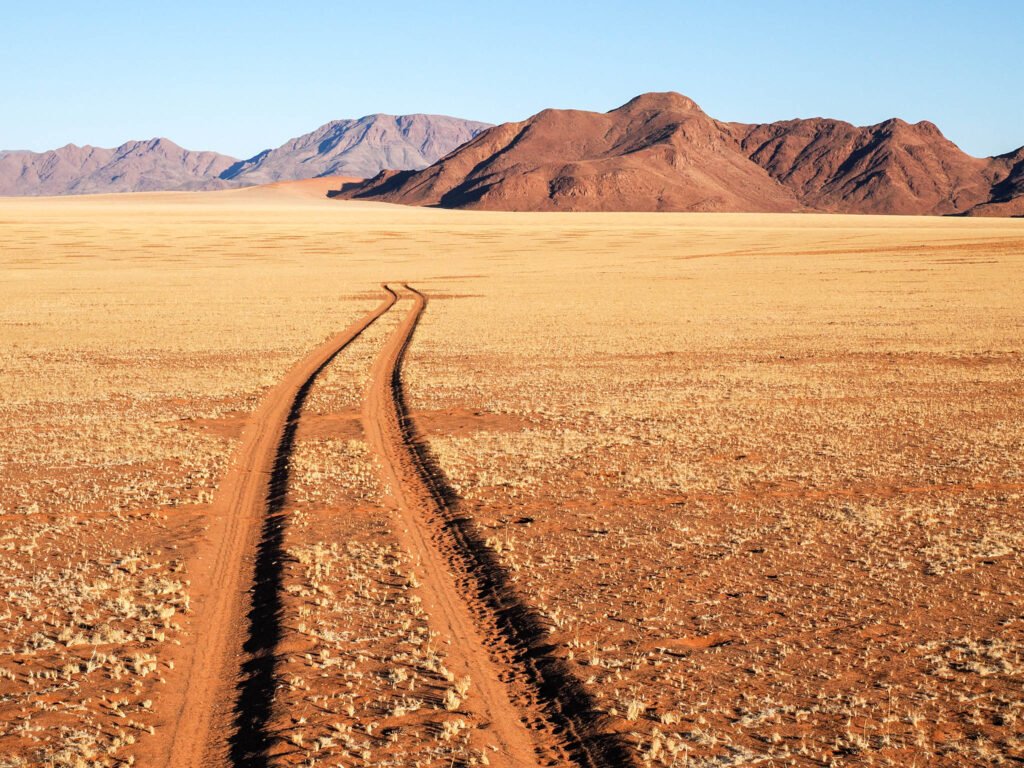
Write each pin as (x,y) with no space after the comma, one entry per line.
(535,707)
(237,624)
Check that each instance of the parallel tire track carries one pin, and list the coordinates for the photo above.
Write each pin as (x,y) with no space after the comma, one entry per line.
(498,634)
(237,622)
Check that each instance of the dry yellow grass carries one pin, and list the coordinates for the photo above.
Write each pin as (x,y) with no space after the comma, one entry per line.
(760,473)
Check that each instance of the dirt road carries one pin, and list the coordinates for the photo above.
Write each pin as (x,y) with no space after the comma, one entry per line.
(531,709)
(230,663)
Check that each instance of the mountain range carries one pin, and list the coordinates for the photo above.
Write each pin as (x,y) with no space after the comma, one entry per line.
(661,152)
(658,152)
(356,148)
(136,166)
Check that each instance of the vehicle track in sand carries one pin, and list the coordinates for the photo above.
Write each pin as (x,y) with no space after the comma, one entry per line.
(223,691)
(536,711)
(530,707)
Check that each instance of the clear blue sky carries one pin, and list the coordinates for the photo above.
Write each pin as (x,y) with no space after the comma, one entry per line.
(241,76)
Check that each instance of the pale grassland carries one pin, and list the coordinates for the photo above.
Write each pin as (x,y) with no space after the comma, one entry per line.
(799,436)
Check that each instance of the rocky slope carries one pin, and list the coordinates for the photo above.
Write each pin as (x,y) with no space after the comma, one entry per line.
(892,167)
(1007,192)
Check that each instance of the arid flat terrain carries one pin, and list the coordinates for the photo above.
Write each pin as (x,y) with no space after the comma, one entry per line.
(294,482)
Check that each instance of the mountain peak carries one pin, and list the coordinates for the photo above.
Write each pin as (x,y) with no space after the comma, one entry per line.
(898,126)
(660,101)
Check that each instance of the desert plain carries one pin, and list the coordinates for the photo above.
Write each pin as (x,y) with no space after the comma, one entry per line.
(290,481)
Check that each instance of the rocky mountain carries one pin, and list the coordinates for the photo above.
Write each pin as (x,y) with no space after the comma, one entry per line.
(136,166)
(892,167)
(658,152)
(661,152)
(1007,192)
(360,148)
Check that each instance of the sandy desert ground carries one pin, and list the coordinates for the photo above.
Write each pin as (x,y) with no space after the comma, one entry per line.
(296,482)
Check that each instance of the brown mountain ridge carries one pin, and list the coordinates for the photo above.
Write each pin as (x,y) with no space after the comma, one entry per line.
(661,152)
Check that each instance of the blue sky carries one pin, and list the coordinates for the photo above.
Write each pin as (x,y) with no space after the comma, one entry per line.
(237,77)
